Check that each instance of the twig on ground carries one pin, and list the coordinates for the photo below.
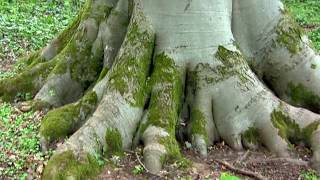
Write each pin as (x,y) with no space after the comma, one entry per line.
(240,171)
(242,158)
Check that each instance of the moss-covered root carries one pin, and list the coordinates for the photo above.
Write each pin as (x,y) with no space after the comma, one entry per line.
(115,32)
(67,165)
(59,43)
(289,125)
(158,132)
(198,132)
(299,126)
(55,46)
(201,129)
(26,84)
(114,122)
(64,121)
(81,60)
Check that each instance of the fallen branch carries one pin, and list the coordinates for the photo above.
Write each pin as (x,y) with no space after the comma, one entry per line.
(240,171)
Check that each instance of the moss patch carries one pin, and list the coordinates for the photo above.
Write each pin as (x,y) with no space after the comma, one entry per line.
(103,73)
(29,81)
(291,131)
(302,96)
(251,135)
(67,166)
(233,64)
(129,73)
(77,57)
(198,124)
(289,33)
(63,121)
(113,142)
(166,92)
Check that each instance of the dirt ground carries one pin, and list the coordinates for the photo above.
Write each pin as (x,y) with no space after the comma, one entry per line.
(221,158)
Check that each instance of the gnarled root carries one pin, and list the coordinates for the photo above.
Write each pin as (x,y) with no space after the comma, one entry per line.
(279,51)
(224,98)
(112,126)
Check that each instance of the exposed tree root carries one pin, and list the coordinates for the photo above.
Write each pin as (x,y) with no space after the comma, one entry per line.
(101,76)
(79,63)
(279,51)
(29,81)
(110,129)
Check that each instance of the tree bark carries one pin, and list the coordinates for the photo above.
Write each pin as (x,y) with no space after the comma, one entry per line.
(133,70)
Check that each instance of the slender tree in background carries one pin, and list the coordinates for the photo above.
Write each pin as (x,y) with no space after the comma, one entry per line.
(131,71)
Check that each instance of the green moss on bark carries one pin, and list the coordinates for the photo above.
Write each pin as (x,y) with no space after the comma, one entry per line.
(63,121)
(103,73)
(232,64)
(302,96)
(165,101)
(289,34)
(198,124)
(289,130)
(29,81)
(78,58)
(67,166)
(251,135)
(113,142)
(129,74)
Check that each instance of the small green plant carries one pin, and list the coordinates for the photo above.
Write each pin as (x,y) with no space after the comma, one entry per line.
(52,93)
(228,176)
(138,169)
(307,15)
(19,143)
(99,158)
(183,163)
(309,175)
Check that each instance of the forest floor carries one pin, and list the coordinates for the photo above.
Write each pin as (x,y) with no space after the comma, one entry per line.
(29,26)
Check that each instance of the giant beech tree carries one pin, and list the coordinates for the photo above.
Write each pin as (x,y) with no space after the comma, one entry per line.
(134,71)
